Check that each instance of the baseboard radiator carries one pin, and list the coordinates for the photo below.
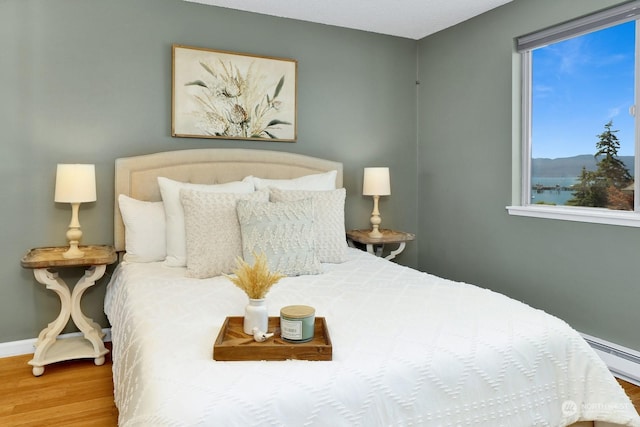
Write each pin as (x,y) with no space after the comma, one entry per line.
(624,363)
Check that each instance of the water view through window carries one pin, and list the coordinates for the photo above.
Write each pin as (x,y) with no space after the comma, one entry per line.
(582,129)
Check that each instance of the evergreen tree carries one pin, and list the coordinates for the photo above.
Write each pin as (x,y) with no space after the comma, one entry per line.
(602,188)
(610,167)
(590,191)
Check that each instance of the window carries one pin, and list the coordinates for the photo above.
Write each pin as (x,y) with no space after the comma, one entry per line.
(577,136)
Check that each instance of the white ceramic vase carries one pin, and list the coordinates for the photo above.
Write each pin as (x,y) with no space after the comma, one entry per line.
(256,316)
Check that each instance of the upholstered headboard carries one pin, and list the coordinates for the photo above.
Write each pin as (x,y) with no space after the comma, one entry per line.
(137,176)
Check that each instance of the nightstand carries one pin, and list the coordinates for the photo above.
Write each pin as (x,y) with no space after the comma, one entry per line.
(50,349)
(376,245)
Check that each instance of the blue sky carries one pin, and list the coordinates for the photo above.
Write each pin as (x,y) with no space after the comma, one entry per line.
(578,86)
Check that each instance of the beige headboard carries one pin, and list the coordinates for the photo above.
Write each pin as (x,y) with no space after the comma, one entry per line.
(137,176)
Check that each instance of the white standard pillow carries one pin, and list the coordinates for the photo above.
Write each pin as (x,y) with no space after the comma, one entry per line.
(213,240)
(144,225)
(317,182)
(331,242)
(170,190)
(283,232)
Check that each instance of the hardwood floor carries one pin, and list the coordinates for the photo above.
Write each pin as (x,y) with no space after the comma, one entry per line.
(70,394)
(633,391)
(79,394)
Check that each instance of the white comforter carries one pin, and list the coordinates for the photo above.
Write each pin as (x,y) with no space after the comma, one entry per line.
(408,349)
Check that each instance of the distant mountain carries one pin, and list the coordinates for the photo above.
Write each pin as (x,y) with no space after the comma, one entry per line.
(571,166)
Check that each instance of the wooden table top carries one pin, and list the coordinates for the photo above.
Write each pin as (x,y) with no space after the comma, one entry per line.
(388,236)
(48,257)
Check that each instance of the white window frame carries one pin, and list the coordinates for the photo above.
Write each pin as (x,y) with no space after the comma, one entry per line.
(521,131)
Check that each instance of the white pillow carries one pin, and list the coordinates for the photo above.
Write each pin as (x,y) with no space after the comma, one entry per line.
(144,225)
(283,232)
(213,240)
(170,190)
(331,242)
(318,182)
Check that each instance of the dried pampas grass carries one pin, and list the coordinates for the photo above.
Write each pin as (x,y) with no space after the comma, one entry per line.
(254,280)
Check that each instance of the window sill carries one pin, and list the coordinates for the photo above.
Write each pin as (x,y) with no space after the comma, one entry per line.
(567,213)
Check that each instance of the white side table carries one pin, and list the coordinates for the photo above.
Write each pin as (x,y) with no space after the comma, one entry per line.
(50,349)
(376,245)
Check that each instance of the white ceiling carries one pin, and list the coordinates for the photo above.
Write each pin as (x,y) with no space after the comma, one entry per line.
(412,19)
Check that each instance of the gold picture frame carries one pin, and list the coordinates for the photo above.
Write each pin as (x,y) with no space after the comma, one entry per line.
(229,95)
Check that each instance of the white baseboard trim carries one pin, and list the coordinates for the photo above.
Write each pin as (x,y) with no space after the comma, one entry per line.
(18,348)
(623,362)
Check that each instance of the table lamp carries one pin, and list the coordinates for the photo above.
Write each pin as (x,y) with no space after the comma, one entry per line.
(75,184)
(376,183)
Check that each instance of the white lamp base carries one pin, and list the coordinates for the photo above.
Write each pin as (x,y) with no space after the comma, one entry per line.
(375,233)
(74,234)
(73,252)
(375,220)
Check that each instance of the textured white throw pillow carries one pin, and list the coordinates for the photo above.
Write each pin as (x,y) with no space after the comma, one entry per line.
(283,232)
(144,225)
(331,243)
(213,239)
(170,190)
(317,182)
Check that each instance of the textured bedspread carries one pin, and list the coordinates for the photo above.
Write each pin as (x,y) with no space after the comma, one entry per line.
(408,349)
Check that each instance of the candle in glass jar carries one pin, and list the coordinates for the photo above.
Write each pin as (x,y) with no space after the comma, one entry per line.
(297,323)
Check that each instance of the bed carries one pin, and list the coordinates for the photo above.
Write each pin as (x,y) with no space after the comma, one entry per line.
(409,348)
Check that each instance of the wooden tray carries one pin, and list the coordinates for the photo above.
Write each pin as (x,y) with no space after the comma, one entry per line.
(233,344)
(51,257)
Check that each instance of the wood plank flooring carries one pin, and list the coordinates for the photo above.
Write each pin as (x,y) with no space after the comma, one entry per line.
(633,391)
(79,394)
(71,394)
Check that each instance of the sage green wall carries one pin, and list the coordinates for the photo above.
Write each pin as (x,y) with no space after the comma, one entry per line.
(587,274)
(90,81)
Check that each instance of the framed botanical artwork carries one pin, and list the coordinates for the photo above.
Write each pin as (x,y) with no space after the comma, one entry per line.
(219,94)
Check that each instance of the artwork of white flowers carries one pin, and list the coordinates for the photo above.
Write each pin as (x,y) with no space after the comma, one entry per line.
(219,94)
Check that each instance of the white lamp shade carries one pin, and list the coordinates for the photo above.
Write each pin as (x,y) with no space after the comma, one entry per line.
(376,182)
(75,183)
